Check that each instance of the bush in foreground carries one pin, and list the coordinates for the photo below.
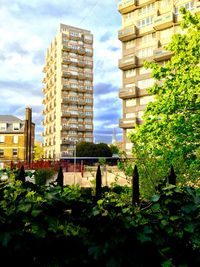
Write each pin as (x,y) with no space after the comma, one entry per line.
(48,226)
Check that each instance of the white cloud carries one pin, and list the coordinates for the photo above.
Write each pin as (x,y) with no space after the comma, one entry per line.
(27,28)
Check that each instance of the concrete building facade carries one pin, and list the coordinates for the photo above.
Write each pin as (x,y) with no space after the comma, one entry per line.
(68,92)
(147,26)
(16,139)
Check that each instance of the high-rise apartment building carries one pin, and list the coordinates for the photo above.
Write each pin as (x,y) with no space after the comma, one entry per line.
(147,26)
(68,92)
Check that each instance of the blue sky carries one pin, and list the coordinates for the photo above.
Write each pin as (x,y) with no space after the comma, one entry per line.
(27,28)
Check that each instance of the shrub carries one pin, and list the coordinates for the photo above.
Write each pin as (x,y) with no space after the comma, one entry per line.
(43,175)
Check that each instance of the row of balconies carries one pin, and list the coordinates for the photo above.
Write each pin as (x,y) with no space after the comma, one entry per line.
(79,63)
(80,101)
(129,123)
(77,49)
(69,139)
(132,92)
(69,127)
(79,75)
(79,114)
(76,88)
(81,37)
(130,62)
(160,22)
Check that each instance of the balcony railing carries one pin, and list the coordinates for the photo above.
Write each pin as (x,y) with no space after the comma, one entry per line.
(161,54)
(127,33)
(127,123)
(163,21)
(127,6)
(127,63)
(125,93)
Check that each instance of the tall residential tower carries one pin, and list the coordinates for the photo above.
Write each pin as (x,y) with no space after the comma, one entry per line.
(147,26)
(68,92)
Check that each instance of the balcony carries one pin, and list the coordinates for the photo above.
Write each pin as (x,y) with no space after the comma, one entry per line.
(66,74)
(80,50)
(66,61)
(81,64)
(81,76)
(127,33)
(127,123)
(161,54)
(81,89)
(65,113)
(145,2)
(127,63)
(66,48)
(65,141)
(163,21)
(88,39)
(127,6)
(125,93)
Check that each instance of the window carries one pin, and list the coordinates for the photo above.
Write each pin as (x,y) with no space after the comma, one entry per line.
(146,99)
(15,126)
(128,18)
(146,9)
(2,138)
(130,115)
(88,126)
(147,38)
(15,139)
(3,126)
(131,102)
(14,152)
(145,22)
(130,44)
(130,73)
(143,84)
(1,153)
(144,71)
(145,52)
(187,6)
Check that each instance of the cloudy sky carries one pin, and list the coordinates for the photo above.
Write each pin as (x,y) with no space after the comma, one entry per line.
(26,30)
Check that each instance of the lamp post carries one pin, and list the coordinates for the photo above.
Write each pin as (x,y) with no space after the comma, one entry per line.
(75,141)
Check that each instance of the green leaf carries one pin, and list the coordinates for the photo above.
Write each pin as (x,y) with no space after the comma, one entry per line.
(24,207)
(155,198)
(35,213)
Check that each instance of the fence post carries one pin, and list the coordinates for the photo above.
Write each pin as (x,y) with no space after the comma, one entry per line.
(172,176)
(60,177)
(98,183)
(135,187)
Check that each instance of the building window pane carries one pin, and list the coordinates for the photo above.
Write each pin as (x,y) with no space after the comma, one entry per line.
(2,138)
(14,152)
(15,139)
(1,153)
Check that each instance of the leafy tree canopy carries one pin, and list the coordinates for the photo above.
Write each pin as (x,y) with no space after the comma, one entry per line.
(38,151)
(171,128)
(89,149)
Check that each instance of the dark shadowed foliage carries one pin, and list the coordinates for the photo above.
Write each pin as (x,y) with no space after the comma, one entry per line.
(21,175)
(98,183)
(135,185)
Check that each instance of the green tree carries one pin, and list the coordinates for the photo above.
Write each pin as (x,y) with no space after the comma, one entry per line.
(114,149)
(89,149)
(38,151)
(171,129)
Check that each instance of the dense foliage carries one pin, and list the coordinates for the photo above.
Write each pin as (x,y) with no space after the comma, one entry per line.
(48,226)
(89,149)
(170,133)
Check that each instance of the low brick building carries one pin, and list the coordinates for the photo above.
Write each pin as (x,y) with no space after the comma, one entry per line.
(16,139)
